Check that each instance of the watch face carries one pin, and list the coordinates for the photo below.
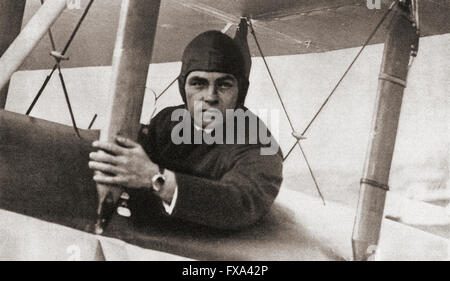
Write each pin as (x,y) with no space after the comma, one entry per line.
(160,180)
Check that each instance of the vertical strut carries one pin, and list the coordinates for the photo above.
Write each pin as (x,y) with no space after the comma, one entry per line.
(11,16)
(392,82)
(131,60)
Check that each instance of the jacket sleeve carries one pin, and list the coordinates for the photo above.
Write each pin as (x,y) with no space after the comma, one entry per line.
(240,198)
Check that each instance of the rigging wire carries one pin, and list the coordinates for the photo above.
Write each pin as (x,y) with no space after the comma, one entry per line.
(326,100)
(92,121)
(345,73)
(66,96)
(252,31)
(157,96)
(167,88)
(311,172)
(66,47)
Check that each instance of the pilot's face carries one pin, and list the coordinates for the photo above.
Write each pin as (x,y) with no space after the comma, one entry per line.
(209,94)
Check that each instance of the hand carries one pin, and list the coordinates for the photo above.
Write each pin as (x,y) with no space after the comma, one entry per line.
(122,163)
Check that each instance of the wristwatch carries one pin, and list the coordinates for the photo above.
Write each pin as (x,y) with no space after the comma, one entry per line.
(158,181)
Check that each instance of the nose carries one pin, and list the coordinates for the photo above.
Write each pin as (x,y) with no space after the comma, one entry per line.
(210,96)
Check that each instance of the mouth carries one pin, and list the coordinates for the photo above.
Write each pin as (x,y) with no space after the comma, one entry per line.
(210,110)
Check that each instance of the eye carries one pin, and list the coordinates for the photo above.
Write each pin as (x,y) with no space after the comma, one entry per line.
(225,84)
(197,83)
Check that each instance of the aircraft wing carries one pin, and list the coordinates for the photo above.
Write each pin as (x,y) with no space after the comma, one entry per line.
(284,27)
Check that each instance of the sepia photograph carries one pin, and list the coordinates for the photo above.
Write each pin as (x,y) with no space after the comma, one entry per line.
(224,130)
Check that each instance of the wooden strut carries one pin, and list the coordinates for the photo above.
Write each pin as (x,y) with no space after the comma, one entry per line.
(131,60)
(29,37)
(402,38)
(11,16)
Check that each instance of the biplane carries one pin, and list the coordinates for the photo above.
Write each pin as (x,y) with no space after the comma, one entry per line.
(51,209)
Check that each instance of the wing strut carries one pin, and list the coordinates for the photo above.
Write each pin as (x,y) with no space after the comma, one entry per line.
(401,44)
(11,16)
(131,60)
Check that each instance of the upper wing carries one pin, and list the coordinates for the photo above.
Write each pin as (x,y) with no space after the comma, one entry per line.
(285,27)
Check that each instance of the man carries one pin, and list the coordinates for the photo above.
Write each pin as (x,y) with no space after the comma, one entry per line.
(221,185)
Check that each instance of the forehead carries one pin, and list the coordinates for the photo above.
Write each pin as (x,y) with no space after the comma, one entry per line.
(210,75)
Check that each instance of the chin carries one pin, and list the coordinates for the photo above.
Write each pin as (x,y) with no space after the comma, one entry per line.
(208,123)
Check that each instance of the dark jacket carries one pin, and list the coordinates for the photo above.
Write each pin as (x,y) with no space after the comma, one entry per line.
(226,186)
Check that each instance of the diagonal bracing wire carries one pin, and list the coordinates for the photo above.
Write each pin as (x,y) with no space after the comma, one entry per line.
(252,31)
(66,96)
(61,77)
(63,83)
(167,88)
(345,73)
(297,143)
(56,66)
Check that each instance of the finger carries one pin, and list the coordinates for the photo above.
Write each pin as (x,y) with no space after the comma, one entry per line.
(126,142)
(116,180)
(106,168)
(109,147)
(104,157)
